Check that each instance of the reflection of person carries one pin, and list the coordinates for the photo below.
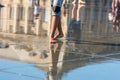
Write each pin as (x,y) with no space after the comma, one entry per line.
(75,22)
(56,21)
(116,14)
(36,6)
(54,55)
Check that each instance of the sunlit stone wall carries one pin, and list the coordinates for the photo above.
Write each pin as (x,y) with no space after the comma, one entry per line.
(17,17)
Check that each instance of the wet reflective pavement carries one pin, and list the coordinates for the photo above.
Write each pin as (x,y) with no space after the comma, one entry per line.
(85,53)
(33,58)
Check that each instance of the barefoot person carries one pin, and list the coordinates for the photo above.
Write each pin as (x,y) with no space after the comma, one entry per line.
(56,29)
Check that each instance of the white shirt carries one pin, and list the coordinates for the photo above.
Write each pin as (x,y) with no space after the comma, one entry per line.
(36,10)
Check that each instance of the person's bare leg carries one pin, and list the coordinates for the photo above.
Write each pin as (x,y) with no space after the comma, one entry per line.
(117,26)
(54,24)
(60,31)
(79,8)
(74,10)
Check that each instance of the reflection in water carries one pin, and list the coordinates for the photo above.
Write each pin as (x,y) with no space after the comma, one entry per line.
(42,54)
(4,45)
(53,73)
(75,22)
(77,52)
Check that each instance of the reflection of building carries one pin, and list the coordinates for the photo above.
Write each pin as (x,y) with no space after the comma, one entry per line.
(17,17)
(71,55)
(94,16)
(97,15)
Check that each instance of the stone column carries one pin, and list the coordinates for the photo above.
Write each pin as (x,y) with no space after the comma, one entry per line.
(49,19)
(15,20)
(27,27)
(91,24)
(39,21)
(4,18)
(107,24)
(99,21)
(37,27)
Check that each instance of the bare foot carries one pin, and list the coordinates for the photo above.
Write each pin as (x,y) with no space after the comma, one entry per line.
(53,40)
(81,2)
(74,2)
(59,36)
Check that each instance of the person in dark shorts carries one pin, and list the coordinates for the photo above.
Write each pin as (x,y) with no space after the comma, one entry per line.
(56,29)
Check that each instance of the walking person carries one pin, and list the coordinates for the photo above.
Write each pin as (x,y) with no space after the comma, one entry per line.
(56,29)
(116,14)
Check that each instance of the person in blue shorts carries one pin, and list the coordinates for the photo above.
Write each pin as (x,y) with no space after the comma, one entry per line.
(56,29)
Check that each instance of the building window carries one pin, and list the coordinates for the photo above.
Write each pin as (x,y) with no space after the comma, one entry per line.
(11,16)
(21,13)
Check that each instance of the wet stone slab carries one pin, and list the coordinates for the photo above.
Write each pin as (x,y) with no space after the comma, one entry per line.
(12,70)
(89,50)
(66,60)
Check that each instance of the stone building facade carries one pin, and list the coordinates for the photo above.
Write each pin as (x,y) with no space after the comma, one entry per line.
(17,17)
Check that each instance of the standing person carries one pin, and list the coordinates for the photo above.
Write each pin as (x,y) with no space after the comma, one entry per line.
(116,14)
(56,29)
